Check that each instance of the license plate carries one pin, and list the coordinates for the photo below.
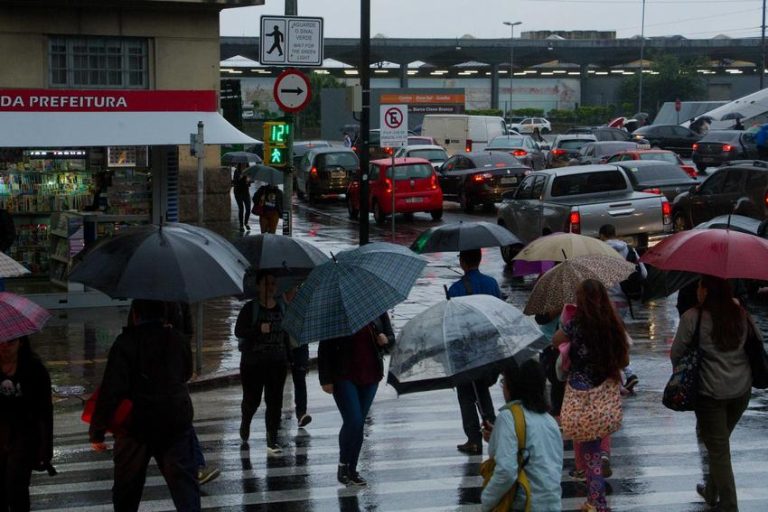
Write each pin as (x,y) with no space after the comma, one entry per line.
(414,199)
(707,159)
(339,174)
(509,181)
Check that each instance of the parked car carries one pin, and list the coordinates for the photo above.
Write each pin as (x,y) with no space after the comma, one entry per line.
(375,149)
(566,147)
(601,133)
(301,147)
(325,171)
(741,188)
(600,152)
(528,124)
(522,147)
(668,136)
(434,153)
(656,177)
(417,189)
(720,146)
(580,201)
(414,140)
(480,177)
(462,133)
(661,155)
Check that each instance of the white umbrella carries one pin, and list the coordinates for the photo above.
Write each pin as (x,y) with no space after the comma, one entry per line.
(10,267)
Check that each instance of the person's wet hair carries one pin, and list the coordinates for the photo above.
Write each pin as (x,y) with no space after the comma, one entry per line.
(471,257)
(145,309)
(527,383)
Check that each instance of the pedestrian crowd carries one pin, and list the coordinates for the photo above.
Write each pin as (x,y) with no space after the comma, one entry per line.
(144,402)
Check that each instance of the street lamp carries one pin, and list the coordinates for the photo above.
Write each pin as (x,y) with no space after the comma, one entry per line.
(511,26)
(642,64)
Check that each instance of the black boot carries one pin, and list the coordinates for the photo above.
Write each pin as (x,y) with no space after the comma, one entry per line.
(355,479)
(342,474)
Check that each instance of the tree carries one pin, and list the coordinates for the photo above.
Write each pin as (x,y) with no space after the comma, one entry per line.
(310,117)
(671,79)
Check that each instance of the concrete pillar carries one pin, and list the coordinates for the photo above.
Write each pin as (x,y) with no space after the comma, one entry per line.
(494,86)
(404,76)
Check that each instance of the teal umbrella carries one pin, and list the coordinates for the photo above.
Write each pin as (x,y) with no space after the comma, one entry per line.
(341,296)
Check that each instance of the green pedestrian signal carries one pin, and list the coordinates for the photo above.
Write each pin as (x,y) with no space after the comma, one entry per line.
(277,157)
(277,135)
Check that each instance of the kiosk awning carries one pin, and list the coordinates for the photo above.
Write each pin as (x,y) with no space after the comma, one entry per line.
(51,118)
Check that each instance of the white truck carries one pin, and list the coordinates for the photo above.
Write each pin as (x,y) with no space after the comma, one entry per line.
(580,200)
(459,133)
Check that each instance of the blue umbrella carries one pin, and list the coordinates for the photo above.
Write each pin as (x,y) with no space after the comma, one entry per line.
(343,295)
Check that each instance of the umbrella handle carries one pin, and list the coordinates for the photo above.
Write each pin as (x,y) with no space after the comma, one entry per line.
(447,297)
(477,400)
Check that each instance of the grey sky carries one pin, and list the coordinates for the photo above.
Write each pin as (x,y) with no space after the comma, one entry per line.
(696,19)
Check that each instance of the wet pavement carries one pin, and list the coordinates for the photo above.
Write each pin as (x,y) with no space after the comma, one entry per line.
(410,441)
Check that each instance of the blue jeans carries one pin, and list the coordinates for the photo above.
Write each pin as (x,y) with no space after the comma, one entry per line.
(353,402)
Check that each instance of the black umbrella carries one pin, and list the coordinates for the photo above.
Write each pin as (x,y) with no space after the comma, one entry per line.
(462,236)
(172,262)
(240,157)
(265,173)
(283,255)
(732,115)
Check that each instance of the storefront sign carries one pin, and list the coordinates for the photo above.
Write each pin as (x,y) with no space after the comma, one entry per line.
(54,100)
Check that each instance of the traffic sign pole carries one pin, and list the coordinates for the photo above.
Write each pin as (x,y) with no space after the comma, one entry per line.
(288,182)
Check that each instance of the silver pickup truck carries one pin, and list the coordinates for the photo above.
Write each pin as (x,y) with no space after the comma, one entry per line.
(580,200)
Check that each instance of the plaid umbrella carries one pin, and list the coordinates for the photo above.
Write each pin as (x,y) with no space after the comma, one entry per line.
(10,267)
(341,296)
(19,316)
(557,286)
(563,246)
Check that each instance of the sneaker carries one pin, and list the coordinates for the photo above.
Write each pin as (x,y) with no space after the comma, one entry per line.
(588,507)
(606,466)
(205,475)
(709,498)
(577,474)
(274,449)
(242,228)
(356,480)
(305,420)
(631,382)
(470,448)
(247,227)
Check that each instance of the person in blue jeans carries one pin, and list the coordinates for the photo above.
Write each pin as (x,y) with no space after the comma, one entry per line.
(350,368)
(474,397)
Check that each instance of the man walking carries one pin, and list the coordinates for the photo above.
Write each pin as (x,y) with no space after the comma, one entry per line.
(475,395)
(149,364)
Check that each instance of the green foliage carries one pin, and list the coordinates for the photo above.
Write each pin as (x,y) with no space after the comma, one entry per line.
(310,117)
(672,79)
(484,112)
(586,115)
(528,112)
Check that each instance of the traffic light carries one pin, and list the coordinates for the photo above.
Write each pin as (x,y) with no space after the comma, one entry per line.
(277,135)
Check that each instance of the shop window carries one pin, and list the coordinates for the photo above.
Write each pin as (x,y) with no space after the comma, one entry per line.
(98,62)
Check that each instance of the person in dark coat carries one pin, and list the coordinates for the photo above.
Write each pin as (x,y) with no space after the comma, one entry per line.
(268,199)
(264,359)
(241,186)
(149,364)
(350,369)
(26,422)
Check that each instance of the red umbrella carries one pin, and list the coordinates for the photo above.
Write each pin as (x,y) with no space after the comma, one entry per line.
(718,252)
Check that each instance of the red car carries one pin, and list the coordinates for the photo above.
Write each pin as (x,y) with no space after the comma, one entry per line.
(416,189)
(662,155)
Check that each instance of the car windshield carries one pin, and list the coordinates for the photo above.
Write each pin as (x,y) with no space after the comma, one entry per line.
(575,144)
(613,147)
(433,155)
(588,183)
(657,174)
(345,159)
(718,137)
(420,140)
(662,157)
(411,171)
(506,143)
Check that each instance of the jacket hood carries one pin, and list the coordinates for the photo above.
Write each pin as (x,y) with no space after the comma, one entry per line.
(620,246)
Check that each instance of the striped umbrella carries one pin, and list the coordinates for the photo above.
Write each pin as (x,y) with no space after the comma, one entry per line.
(19,316)
(343,295)
(10,267)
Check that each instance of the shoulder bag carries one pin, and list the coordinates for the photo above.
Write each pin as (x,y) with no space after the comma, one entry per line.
(758,359)
(683,387)
(591,413)
(522,482)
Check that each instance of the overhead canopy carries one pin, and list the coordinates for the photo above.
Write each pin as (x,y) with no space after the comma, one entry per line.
(57,118)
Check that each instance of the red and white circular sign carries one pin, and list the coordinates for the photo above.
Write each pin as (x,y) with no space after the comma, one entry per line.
(292,91)
(393,117)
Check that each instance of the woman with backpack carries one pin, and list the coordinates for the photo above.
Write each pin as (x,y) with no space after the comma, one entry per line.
(525,388)
(264,359)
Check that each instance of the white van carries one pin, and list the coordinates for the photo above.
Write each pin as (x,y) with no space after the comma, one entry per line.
(459,133)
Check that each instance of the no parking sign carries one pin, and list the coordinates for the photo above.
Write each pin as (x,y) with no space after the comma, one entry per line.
(393,123)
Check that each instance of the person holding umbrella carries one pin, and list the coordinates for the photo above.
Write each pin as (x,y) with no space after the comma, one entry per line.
(264,359)
(475,395)
(241,187)
(725,379)
(350,368)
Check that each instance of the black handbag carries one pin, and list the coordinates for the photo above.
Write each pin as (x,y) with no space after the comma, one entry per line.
(681,391)
(758,359)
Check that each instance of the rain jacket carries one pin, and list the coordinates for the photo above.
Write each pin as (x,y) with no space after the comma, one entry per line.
(150,365)
(544,446)
(615,294)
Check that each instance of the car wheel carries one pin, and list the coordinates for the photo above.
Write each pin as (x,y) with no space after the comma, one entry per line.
(378,215)
(311,196)
(508,252)
(680,223)
(489,207)
(299,193)
(408,217)
(465,202)
(353,213)
(436,214)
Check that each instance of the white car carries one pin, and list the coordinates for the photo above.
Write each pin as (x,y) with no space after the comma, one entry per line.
(435,154)
(529,123)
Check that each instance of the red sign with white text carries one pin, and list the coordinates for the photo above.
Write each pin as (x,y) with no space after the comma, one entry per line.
(102,100)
